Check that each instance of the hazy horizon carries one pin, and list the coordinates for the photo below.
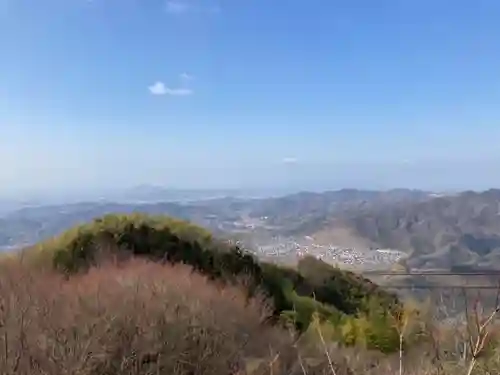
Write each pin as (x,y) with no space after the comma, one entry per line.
(120,193)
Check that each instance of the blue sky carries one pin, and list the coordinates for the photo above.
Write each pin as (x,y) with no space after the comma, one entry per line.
(249,93)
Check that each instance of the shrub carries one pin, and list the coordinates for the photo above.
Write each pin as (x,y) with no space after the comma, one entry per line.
(134,318)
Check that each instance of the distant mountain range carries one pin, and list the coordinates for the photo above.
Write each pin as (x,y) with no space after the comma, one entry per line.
(36,221)
(443,232)
(150,193)
(436,230)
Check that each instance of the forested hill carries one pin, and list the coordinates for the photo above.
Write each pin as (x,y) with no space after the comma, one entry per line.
(295,293)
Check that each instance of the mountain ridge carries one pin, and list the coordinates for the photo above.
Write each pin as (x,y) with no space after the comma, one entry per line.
(435,230)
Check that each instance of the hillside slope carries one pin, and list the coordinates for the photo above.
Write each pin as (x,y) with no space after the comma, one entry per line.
(461,230)
(294,293)
(444,232)
(103,307)
(449,231)
(286,214)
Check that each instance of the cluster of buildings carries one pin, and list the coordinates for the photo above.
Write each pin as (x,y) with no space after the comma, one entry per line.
(285,247)
(267,246)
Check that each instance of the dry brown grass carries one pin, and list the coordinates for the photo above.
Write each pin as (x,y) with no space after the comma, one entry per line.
(140,318)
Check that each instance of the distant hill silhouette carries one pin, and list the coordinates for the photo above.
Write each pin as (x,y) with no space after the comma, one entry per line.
(437,231)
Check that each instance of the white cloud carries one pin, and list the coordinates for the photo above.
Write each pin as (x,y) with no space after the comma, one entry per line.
(159,88)
(186,77)
(290,160)
(178,6)
(179,91)
(184,6)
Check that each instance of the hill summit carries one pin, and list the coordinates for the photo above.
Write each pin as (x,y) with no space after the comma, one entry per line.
(137,294)
(296,294)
